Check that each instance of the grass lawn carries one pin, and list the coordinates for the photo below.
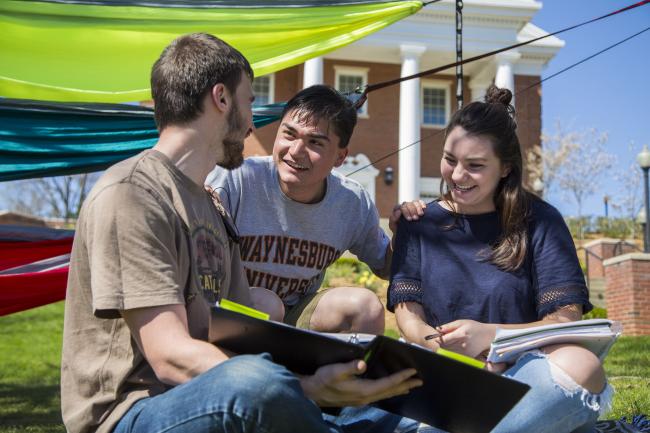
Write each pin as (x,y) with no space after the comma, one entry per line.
(30,343)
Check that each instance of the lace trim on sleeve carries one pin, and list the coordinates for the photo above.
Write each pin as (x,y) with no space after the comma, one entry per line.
(552,299)
(404,291)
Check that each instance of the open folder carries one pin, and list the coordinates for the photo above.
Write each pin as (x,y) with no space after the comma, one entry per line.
(455,396)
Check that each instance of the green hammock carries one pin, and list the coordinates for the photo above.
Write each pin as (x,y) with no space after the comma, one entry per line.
(102,51)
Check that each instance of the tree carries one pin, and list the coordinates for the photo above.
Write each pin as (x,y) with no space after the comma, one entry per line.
(573,161)
(58,197)
(545,163)
(628,200)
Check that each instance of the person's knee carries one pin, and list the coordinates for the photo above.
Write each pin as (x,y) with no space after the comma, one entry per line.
(580,364)
(255,380)
(366,312)
(269,302)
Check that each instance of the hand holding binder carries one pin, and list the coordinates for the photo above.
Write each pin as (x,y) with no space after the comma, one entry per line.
(341,384)
(454,396)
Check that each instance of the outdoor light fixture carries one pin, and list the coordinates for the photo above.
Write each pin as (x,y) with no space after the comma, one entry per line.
(643,159)
(388,175)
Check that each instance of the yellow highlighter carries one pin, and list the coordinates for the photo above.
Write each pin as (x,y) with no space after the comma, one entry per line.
(243,309)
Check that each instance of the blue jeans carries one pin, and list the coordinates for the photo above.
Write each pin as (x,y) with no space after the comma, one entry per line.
(249,393)
(554,403)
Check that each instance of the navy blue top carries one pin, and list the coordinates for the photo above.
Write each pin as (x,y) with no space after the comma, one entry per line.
(440,262)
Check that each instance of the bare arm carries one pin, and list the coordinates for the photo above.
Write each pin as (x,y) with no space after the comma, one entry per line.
(163,337)
(473,338)
(412,325)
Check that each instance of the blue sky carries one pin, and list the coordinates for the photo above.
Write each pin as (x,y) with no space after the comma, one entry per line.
(610,92)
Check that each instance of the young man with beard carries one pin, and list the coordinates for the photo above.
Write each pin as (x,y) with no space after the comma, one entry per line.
(296,216)
(152,254)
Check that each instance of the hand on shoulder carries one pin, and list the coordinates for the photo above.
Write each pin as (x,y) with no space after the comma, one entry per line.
(411,210)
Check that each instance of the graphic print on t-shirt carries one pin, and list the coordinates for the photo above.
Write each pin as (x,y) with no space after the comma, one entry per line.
(209,253)
(280,251)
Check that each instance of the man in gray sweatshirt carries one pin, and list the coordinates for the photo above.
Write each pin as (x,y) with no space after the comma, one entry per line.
(296,216)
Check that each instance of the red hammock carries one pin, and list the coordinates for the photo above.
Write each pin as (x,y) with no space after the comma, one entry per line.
(33,273)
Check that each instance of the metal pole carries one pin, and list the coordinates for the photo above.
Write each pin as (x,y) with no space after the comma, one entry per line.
(459,53)
(646,235)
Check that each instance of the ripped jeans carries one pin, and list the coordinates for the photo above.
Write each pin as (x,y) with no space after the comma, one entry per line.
(554,404)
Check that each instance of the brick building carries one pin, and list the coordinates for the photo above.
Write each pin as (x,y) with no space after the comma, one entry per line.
(399,115)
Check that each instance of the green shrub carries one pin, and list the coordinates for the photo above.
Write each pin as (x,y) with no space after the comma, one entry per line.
(392,333)
(596,313)
(579,226)
(618,228)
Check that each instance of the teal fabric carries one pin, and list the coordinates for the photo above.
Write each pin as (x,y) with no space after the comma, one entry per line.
(40,139)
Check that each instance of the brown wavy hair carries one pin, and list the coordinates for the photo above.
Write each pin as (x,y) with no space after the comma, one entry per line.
(187,70)
(494,119)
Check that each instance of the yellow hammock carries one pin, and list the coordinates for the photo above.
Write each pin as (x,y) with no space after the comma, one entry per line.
(59,51)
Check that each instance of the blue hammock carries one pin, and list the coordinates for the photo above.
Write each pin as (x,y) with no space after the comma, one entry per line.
(40,139)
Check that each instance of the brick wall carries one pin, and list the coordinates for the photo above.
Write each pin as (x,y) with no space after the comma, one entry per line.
(19,219)
(627,293)
(287,83)
(528,106)
(603,249)
(378,135)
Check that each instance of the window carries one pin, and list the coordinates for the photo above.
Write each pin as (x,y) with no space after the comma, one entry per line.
(349,79)
(435,103)
(366,177)
(263,89)
(429,188)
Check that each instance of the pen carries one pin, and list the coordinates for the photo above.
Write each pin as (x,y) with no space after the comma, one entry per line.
(432,336)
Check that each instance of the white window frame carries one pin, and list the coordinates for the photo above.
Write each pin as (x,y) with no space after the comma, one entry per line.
(430,188)
(271,86)
(357,71)
(441,85)
(366,177)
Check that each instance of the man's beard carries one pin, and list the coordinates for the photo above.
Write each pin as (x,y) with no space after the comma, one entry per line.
(233,145)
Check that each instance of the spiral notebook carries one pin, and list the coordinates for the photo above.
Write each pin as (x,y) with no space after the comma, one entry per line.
(597,335)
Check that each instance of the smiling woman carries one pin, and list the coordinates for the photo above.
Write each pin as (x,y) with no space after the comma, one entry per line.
(491,255)
(472,171)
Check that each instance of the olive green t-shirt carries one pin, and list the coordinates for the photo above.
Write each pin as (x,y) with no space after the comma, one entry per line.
(147,236)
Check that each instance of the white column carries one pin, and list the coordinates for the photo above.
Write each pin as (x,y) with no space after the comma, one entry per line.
(481,80)
(478,89)
(505,77)
(313,72)
(409,125)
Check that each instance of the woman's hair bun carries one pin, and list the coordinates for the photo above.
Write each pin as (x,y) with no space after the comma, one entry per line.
(496,95)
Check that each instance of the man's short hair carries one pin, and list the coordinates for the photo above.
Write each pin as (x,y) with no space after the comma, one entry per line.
(187,70)
(324,102)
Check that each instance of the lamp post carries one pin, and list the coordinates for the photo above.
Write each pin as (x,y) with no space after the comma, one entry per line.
(640,219)
(643,158)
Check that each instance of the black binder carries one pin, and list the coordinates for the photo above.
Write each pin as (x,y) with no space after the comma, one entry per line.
(455,396)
